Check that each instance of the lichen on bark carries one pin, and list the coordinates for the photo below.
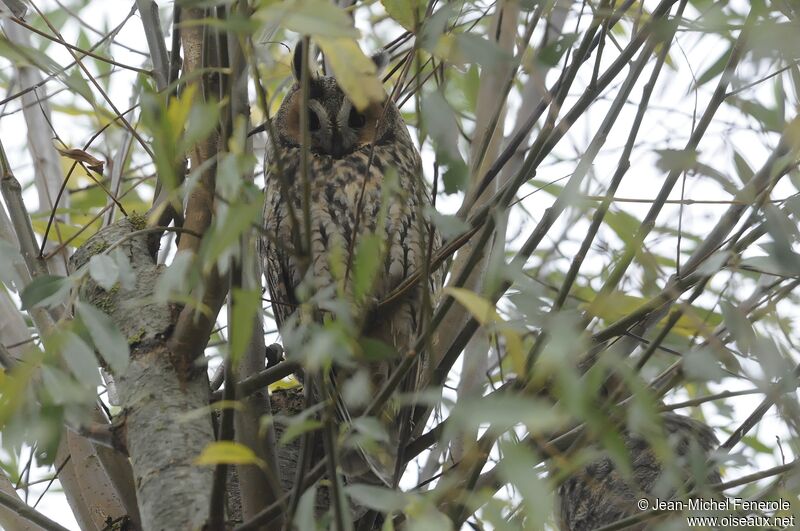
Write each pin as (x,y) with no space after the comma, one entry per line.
(158,395)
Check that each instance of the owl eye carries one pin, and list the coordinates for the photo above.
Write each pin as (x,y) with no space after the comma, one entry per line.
(313,120)
(356,119)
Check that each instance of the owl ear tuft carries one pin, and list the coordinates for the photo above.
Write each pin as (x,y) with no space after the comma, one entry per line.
(381,60)
(297,62)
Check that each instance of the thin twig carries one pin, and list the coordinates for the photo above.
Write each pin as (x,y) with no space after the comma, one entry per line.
(29,513)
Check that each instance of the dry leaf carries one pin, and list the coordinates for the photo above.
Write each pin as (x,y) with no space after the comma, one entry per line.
(80,155)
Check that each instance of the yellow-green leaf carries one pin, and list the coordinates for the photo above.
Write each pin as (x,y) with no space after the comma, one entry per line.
(514,348)
(228,452)
(485,313)
(355,72)
(76,235)
(178,111)
(481,309)
(407,13)
(317,18)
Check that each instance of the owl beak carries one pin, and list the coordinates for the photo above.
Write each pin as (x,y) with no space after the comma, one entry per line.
(337,147)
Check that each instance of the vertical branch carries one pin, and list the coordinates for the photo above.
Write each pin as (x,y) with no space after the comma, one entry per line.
(258,489)
(148,11)
(193,328)
(486,141)
(200,203)
(21,222)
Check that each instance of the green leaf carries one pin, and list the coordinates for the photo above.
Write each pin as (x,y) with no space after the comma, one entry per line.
(356,390)
(623,224)
(103,270)
(318,18)
(517,468)
(203,3)
(296,429)
(434,26)
(75,233)
(484,312)
(10,260)
(456,176)
(246,305)
(714,263)
(722,178)
(224,235)
(738,325)
(768,118)
(714,70)
(769,265)
(305,518)
(173,279)
(370,428)
(60,389)
(407,13)
(471,48)
(440,123)
(366,263)
(228,452)
(676,159)
(772,360)
(20,55)
(376,350)
(702,365)
(429,520)
(449,225)
(378,498)
(232,23)
(783,232)
(355,73)
(757,445)
(551,54)
(502,412)
(203,118)
(108,340)
(76,83)
(127,277)
(80,359)
(471,82)
(46,290)
(17,7)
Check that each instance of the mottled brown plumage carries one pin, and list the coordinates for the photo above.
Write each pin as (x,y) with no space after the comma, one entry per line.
(600,495)
(364,178)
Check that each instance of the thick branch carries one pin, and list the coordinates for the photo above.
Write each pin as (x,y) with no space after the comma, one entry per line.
(157,390)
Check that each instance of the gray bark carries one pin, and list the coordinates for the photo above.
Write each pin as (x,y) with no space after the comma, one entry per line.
(158,392)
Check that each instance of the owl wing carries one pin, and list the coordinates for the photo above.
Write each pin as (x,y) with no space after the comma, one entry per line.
(280,267)
(282,279)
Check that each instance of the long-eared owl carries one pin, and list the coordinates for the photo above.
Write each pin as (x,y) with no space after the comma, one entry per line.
(364,177)
(600,494)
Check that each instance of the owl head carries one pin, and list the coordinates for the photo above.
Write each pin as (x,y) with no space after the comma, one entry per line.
(335,126)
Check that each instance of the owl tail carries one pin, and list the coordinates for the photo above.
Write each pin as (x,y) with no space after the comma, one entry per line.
(359,464)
